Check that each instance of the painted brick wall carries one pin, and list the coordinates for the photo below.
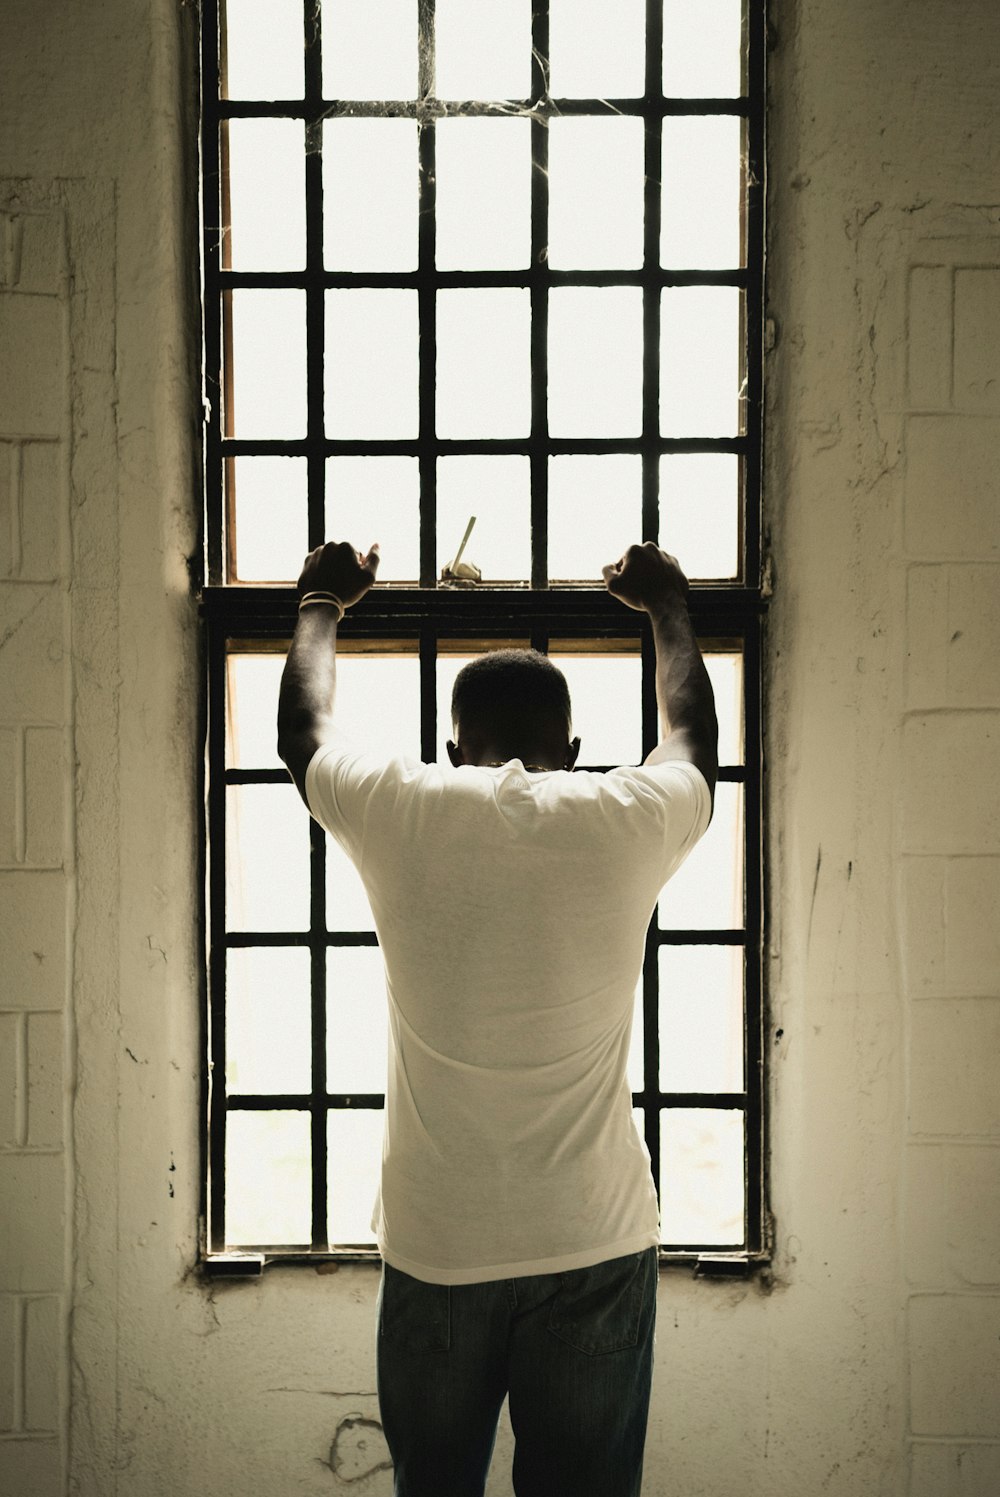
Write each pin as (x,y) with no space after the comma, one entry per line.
(36,849)
(949,842)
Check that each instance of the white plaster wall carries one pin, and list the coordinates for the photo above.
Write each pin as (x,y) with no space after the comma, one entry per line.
(869,1365)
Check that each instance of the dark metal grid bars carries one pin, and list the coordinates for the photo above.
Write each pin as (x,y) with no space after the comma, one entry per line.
(268,613)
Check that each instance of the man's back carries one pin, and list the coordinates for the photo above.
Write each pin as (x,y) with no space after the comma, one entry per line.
(511,909)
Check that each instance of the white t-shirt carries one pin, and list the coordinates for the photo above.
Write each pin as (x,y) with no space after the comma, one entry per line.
(511,909)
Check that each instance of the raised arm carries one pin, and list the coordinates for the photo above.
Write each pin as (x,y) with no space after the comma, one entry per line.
(334,576)
(650,580)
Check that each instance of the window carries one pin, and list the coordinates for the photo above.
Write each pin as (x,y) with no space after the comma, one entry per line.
(502,261)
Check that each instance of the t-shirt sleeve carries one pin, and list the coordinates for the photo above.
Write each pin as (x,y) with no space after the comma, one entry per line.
(341,782)
(674,794)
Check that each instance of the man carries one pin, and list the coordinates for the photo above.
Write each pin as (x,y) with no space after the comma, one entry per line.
(517,1217)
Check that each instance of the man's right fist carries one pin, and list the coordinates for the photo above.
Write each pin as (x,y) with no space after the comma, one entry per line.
(338,568)
(647,578)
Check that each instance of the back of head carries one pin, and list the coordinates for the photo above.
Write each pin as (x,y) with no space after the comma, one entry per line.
(513,701)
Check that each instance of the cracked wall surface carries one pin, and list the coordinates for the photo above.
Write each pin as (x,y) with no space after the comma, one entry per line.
(865,1364)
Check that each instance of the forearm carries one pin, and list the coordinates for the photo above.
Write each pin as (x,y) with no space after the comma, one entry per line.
(684,692)
(308,685)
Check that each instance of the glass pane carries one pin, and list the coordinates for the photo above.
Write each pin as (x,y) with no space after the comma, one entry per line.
(726,673)
(700,511)
(702,192)
(371,364)
(269,363)
(595,361)
(370,179)
(483,203)
(378,702)
(268,1020)
(269,495)
(483,363)
(267,195)
(357,1029)
(264,49)
(497,490)
(606,693)
(596,181)
(706,893)
(702,49)
(377,499)
(347,906)
(597,50)
(700,344)
(448,667)
(701,1018)
(355,1161)
(252,703)
(702,1177)
(635,1070)
(595,512)
(268,1179)
(369,49)
(483,51)
(267,827)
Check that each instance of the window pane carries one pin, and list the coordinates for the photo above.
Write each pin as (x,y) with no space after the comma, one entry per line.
(596,181)
(252,733)
(347,906)
(701,1018)
(355,1161)
(597,50)
(483,51)
(595,361)
(269,496)
(369,49)
(268,1179)
(377,499)
(726,674)
(595,512)
(483,369)
(378,702)
(266,828)
(370,179)
(267,194)
(268,1020)
(483,203)
(701,1176)
(702,49)
(497,490)
(702,192)
(371,364)
(707,891)
(700,353)
(357,1032)
(269,363)
(700,511)
(264,49)
(636,1068)
(606,694)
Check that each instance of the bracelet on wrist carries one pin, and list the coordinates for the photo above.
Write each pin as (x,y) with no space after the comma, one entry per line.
(310,600)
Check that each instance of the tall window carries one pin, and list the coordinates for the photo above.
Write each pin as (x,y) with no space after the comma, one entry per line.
(486,259)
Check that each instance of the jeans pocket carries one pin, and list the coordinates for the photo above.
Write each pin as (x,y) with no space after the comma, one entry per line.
(599,1309)
(412,1315)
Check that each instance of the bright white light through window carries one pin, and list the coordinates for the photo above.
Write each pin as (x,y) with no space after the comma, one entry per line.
(352,443)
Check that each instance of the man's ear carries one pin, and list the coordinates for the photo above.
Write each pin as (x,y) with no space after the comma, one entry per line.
(454,754)
(572,753)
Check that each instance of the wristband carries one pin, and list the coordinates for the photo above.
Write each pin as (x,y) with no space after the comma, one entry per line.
(309,600)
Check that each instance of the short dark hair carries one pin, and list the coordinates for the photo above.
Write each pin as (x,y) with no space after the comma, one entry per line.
(511,694)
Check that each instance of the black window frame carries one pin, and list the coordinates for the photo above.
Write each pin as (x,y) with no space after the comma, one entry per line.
(239,612)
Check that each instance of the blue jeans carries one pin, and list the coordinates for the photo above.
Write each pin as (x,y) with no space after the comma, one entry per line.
(573,1350)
